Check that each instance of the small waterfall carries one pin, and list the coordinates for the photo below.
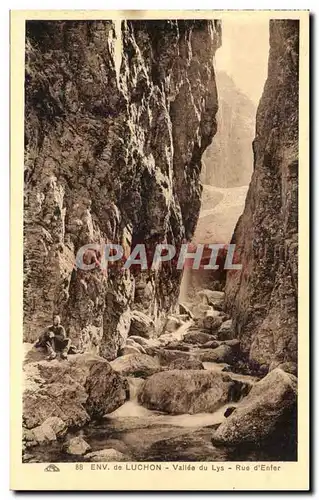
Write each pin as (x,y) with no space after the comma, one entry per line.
(182,330)
(132,408)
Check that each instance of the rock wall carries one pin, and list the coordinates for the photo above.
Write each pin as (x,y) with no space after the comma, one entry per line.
(263,296)
(228,161)
(114,134)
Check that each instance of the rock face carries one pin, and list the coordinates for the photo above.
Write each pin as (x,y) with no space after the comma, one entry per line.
(268,408)
(227,162)
(262,298)
(191,391)
(75,391)
(115,129)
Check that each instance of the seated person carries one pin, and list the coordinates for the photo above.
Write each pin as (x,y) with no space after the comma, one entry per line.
(54,339)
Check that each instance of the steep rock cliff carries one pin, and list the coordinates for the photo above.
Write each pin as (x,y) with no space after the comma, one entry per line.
(228,160)
(114,133)
(263,296)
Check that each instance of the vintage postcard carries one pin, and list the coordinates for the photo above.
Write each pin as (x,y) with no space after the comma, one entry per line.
(159,250)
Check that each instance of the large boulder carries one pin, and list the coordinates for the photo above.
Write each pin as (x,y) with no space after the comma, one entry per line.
(129,349)
(177,345)
(167,356)
(287,366)
(212,344)
(226,330)
(269,407)
(212,298)
(172,323)
(212,321)
(183,309)
(186,391)
(147,345)
(141,325)
(168,338)
(77,390)
(77,446)
(221,354)
(50,430)
(197,337)
(186,364)
(131,343)
(136,365)
(57,425)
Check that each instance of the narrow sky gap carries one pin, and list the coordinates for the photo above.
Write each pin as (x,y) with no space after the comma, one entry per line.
(243,54)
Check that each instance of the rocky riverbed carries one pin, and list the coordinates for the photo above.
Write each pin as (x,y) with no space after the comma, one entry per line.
(187,395)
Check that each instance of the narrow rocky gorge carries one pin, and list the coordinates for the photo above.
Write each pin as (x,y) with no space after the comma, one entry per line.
(111,158)
(114,145)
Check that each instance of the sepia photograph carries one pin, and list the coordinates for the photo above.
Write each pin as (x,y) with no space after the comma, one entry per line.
(161,241)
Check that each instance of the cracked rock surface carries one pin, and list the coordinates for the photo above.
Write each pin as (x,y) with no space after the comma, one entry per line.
(113,142)
(262,298)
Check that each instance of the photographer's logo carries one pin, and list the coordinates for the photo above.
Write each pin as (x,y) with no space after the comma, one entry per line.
(52,468)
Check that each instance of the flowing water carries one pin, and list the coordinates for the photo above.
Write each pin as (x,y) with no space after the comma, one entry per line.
(145,435)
